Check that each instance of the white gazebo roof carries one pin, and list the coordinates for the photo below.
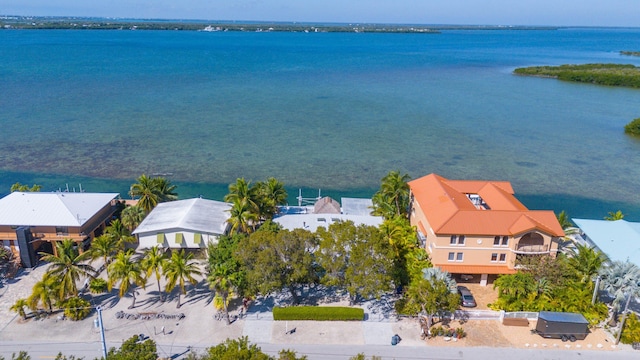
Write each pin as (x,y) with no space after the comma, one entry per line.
(197,215)
(618,240)
(51,208)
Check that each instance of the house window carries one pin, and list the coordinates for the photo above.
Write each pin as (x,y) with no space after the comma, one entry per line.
(62,230)
(496,241)
(494,257)
(505,241)
(452,256)
(459,256)
(457,240)
(503,257)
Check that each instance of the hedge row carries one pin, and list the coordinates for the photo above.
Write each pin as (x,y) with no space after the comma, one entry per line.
(602,74)
(318,313)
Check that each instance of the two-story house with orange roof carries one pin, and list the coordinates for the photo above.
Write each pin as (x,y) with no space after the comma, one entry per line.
(477,229)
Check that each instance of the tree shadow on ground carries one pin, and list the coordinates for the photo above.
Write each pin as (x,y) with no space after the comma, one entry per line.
(106,300)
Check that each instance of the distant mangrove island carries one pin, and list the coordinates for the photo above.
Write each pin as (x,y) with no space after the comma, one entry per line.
(601,74)
(79,23)
(630,53)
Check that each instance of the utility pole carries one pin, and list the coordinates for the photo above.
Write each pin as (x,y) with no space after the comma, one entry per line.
(595,291)
(624,317)
(101,326)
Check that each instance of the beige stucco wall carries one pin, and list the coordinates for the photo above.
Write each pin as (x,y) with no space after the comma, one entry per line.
(477,249)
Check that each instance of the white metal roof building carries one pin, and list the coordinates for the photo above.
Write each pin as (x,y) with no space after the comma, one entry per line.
(190,223)
(356,210)
(618,240)
(52,208)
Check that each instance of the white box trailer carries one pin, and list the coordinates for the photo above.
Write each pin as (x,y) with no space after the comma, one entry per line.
(562,325)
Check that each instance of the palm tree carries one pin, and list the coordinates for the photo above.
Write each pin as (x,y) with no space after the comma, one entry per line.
(153,262)
(145,191)
(620,280)
(394,191)
(178,270)
(586,261)
(120,234)
(105,247)
(165,190)
(222,279)
(132,216)
(44,291)
(68,267)
(126,271)
(19,306)
(271,194)
(241,190)
(152,191)
(613,216)
(242,219)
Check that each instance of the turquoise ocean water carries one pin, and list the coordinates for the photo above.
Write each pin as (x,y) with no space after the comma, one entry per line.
(334,111)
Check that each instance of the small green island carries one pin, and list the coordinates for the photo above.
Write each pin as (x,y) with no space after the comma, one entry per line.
(633,128)
(630,53)
(626,75)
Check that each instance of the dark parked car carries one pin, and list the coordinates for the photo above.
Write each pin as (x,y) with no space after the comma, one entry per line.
(466,298)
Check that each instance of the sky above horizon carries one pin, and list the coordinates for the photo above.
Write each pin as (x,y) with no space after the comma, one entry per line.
(455,12)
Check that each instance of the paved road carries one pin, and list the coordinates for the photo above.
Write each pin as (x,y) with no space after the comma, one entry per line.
(90,350)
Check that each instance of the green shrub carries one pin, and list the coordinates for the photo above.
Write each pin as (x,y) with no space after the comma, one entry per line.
(631,332)
(318,313)
(98,286)
(633,128)
(76,308)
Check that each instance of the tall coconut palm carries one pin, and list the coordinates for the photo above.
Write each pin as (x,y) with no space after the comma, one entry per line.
(132,216)
(613,216)
(178,270)
(128,273)
(222,279)
(151,191)
(165,190)
(119,233)
(243,218)
(153,262)
(103,247)
(68,266)
(145,190)
(242,190)
(586,261)
(44,292)
(19,306)
(270,194)
(394,191)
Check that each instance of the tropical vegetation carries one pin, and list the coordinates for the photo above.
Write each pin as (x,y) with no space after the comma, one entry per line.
(127,272)
(68,266)
(614,215)
(179,270)
(254,204)
(393,197)
(563,283)
(150,191)
(633,128)
(25,188)
(76,308)
(153,262)
(601,74)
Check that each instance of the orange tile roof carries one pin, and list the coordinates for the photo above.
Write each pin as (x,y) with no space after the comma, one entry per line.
(477,269)
(449,210)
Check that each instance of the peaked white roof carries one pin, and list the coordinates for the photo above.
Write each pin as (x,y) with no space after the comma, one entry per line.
(51,208)
(197,215)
